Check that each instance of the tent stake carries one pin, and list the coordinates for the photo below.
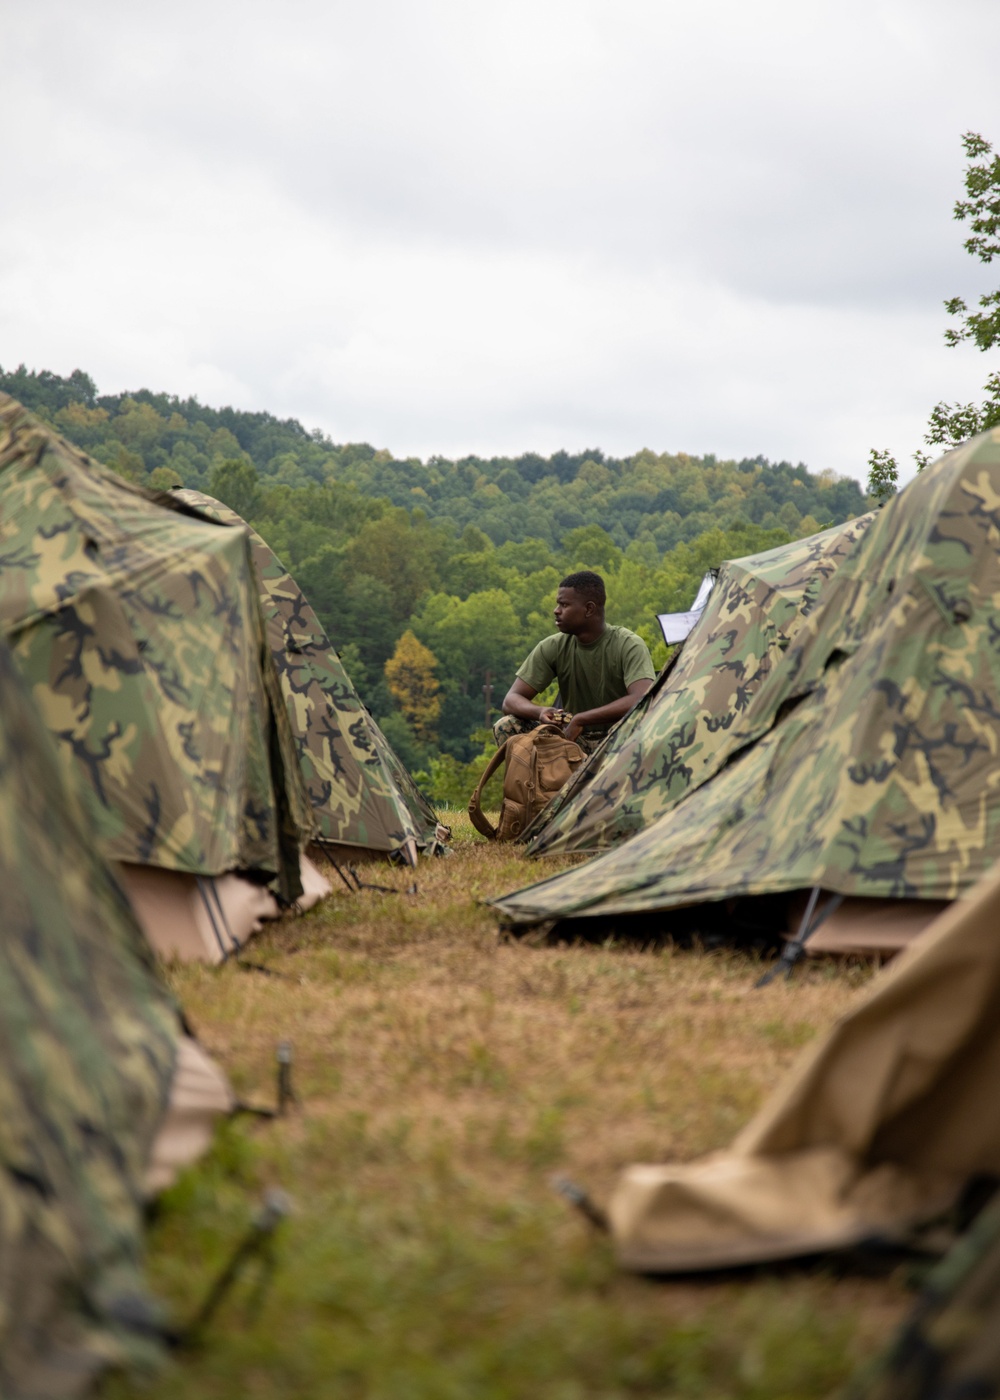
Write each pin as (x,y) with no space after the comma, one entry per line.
(578,1198)
(286,1093)
(258,1240)
(795,947)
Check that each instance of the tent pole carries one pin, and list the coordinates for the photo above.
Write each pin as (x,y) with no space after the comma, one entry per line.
(795,947)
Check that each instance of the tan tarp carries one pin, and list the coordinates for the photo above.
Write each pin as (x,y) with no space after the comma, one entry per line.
(866,927)
(315,885)
(876,1131)
(194,918)
(199,1093)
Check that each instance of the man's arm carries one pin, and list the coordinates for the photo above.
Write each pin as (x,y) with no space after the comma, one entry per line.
(607,714)
(518,701)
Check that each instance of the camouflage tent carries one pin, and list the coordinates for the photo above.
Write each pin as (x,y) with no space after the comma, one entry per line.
(89,1042)
(137,625)
(949,1345)
(361,793)
(877,777)
(702,707)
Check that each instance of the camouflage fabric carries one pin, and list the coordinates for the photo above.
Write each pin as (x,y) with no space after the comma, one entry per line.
(137,625)
(878,775)
(88,1040)
(949,1346)
(361,793)
(702,707)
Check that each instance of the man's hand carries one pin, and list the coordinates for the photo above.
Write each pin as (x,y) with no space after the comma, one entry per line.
(550,714)
(608,714)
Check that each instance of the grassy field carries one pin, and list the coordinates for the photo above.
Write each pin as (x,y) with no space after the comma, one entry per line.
(444,1077)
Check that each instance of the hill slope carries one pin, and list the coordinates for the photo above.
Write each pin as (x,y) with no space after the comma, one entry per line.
(464,555)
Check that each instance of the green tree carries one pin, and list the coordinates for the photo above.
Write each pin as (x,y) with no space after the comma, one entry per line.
(236,483)
(128,464)
(355,609)
(952,423)
(591,547)
(465,574)
(82,425)
(982,212)
(164,479)
(471,635)
(883,474)
(409,674)
(404,552)
(138,426)
(790,516)
(479,641)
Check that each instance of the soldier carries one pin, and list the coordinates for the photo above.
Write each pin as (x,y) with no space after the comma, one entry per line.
(603,671)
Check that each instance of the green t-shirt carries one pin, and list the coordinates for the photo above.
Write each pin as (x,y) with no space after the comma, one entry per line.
(588,676)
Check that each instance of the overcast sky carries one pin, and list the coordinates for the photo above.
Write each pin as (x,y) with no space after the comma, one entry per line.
(449,226)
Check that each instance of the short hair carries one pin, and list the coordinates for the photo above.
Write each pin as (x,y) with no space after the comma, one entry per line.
(589,585)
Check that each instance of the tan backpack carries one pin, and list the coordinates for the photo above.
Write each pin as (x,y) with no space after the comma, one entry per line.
(538,764)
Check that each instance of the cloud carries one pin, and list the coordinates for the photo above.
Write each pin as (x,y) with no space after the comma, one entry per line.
(455,226)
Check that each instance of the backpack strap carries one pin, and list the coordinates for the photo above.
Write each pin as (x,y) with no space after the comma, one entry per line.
(479,819)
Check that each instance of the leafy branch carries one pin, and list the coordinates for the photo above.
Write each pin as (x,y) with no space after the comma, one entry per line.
(950,424)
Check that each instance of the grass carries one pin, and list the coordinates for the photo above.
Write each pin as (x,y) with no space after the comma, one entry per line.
(443,1078)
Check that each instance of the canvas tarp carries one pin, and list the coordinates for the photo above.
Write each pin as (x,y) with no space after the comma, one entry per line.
(199,1094)
(874,1133)
(702,707)
(361,793)
(879,774)
(196,918)
(137,626)
(90,1048)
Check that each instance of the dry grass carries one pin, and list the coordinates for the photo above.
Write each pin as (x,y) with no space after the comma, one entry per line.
(444,1077)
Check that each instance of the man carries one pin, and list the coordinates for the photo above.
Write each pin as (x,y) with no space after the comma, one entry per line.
(603,671)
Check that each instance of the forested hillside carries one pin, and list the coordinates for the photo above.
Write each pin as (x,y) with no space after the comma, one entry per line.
(435,578)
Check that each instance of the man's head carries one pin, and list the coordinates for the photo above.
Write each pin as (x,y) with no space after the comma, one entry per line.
(580,602)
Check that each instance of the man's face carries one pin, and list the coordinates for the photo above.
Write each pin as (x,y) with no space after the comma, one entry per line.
(571,613)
